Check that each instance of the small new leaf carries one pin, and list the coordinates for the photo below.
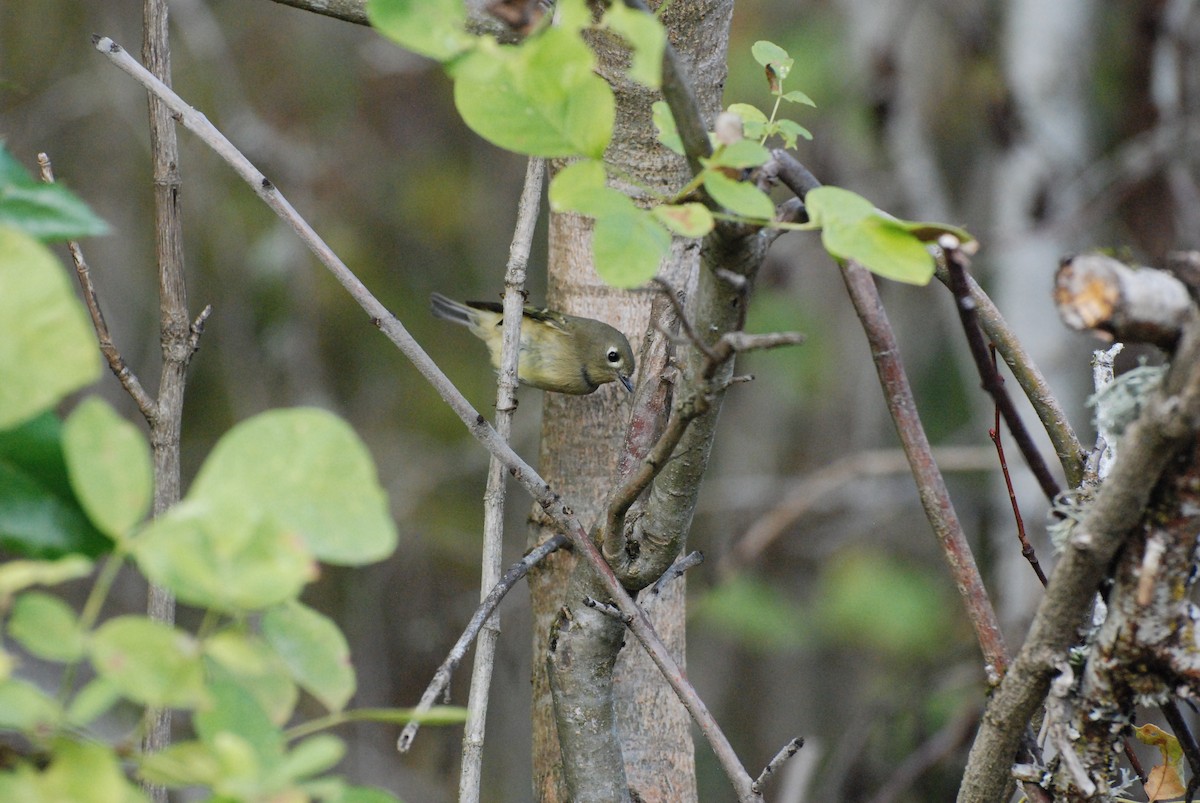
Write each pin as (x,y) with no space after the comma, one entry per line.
(687,220)
(738,197)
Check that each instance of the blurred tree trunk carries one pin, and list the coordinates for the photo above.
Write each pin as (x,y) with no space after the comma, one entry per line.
(581,436)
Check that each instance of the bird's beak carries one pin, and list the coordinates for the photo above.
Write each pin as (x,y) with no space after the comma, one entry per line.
(626,382)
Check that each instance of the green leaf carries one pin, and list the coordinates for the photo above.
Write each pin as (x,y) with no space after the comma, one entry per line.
(47,627)
(790,131)
(36,521)
(43,211)
(216,558)
(182,764)
(754,122)
(312,756)
(776,62)
(796,96)
(930,232)
(882,247)
(668,133)
(541,98)
(87,772)
(92,701)
(629,248)
(235,710)
(307,470)
(39,513)
(748,113)
(738,197)
(48,349)
(150,662)
(646,38)
(687,220)
(25,707)
(580,187)
(314,650)
(433,28)
(109,464)
(741,154)
(258,669)
(851,228)
(16,575)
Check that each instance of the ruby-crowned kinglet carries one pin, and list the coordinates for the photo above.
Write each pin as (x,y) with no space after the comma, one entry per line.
(559,352)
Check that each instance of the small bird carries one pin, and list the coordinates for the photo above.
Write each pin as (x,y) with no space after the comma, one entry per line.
(558,352)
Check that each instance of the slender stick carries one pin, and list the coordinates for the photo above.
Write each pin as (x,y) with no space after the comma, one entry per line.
(470,773)
(931,486)
(1026,547)
(956,261)
(112,354)
(441,678)
(476,424)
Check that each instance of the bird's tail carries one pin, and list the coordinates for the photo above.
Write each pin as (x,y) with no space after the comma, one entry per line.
(450,310)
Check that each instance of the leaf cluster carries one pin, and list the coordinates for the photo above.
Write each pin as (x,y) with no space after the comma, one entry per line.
(277,494)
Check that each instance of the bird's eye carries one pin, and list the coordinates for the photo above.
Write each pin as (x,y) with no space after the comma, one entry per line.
(614,356)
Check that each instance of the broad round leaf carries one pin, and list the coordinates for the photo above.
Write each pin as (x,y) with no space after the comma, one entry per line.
(313,756)
(314,650)
(258,669)
(882,247)
(236,710)
(47,627)
(687,220)
(150,662)
(215,558)
(432,28)
(309,472)
(541,98)
(629,248)
(581,187)
(108,460)
(47,349)
(25,707)
(739,197)
(87,772)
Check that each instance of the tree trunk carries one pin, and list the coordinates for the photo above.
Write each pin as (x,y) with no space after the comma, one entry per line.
(581,436)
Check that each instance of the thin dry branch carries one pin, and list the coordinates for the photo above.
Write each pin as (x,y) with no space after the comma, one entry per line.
(440,683)
(956,263)
(931,486)
(478,426)
(470,773)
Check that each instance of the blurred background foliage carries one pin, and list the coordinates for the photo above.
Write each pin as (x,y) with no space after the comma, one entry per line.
(842,625)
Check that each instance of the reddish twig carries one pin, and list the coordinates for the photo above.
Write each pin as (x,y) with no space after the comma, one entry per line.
(994,434)
(956,262)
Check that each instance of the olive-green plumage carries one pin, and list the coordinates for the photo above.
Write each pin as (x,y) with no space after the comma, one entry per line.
(558,352)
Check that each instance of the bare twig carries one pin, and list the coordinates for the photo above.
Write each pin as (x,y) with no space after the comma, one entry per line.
(956,262)
(471,770)
(1054,419)
(949,738)
(897,392)
(441,678)
(787,751)
(994,433)
(112,354)
(677,570)
(478,426)
(607,610)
